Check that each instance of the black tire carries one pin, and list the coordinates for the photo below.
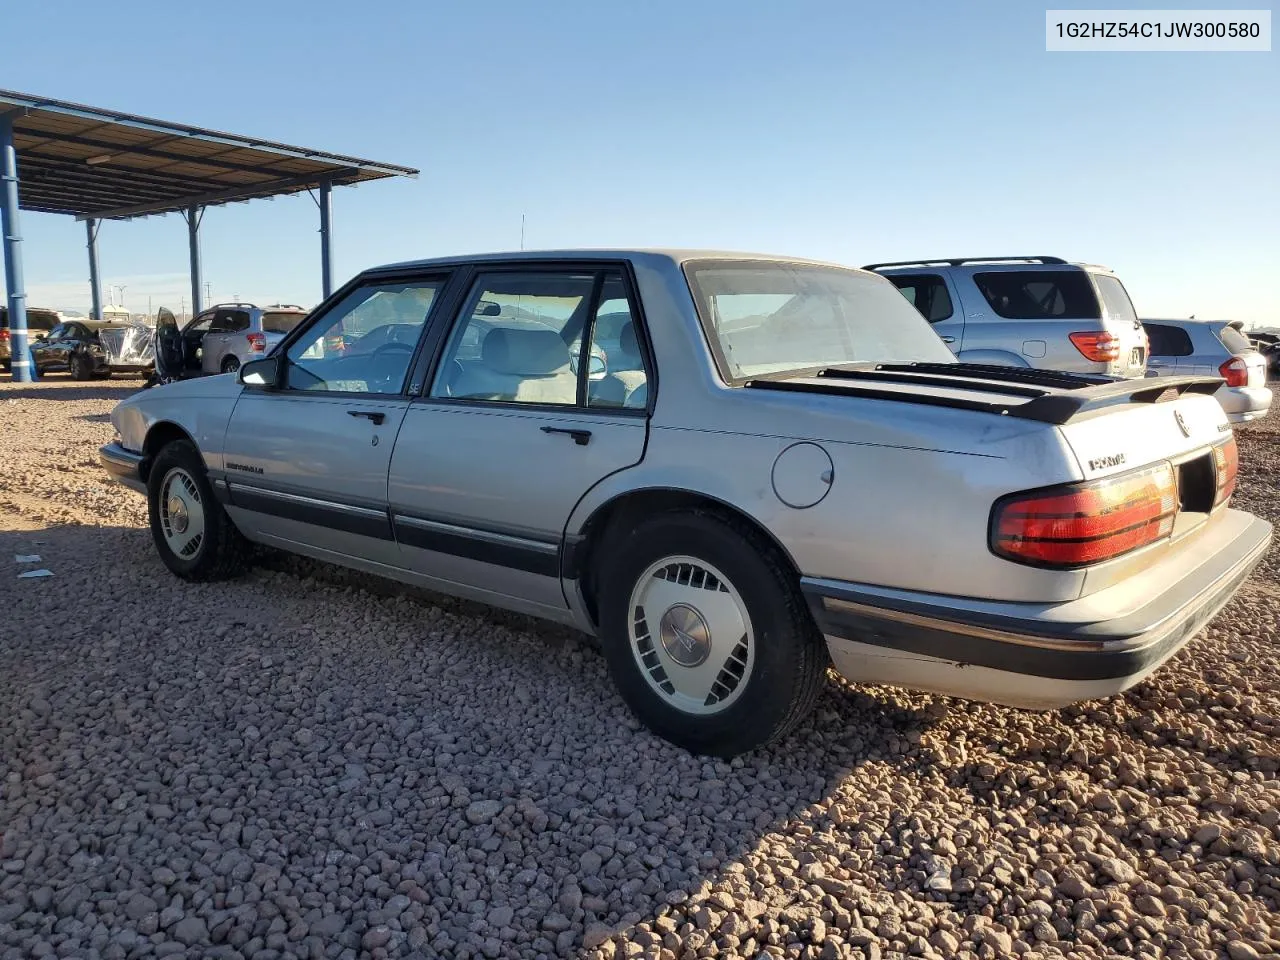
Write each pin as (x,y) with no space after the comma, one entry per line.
(81,367)
(230,364)
(790,655)
(223,552)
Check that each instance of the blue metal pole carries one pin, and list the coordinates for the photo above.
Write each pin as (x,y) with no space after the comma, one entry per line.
(326,248)
(19,354)
(194,215)
(95,287)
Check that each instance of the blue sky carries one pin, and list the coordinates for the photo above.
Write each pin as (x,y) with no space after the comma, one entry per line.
(845,131)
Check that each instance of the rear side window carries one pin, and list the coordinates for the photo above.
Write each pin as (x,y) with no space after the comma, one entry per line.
(229,321)
(1039,294)
(1234,340)
(36,319)
(1168,341)
(927,293)
(1115,298)
(280,322)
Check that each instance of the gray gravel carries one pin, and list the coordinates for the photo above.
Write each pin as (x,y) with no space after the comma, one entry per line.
(309,763)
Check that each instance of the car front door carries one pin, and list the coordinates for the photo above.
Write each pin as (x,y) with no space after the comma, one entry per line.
(305,464)
(50,353)
(515,427)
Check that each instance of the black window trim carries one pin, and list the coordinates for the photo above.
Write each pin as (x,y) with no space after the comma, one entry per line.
(433,352)
(448,276)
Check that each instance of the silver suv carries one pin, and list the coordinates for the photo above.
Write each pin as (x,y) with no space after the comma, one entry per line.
(235,333)
(1027,312)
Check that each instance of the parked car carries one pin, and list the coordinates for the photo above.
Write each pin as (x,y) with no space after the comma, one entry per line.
(77,347)
(1180,347)
(795,472)
(39,323)
(1027,312)
(220,339)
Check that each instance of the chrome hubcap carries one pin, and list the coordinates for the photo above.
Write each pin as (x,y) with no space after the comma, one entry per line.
(691,635)
(181,513)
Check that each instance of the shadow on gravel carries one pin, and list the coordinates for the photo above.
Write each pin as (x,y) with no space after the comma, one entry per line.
(70,390)
(367,763)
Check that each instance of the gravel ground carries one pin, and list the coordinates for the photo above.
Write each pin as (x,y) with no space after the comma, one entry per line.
(307,763)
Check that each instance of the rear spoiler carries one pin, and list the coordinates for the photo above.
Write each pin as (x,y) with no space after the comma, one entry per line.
(1051,396)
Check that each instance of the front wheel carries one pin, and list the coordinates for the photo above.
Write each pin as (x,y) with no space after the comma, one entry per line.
(81,367)
(195,537)
(706,634)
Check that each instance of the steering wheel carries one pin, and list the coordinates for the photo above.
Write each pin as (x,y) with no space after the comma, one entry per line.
(382,354)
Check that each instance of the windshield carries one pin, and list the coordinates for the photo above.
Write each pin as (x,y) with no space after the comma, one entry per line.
(769,317)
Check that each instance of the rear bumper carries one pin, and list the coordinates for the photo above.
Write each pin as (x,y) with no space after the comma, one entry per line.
(123,465)
(1243,404)
(1035,655)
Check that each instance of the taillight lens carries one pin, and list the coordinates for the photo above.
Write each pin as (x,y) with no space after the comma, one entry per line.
(1226,462)
(1084,523)
(257,342)
(1235,371)
(1099,347)
(4,334)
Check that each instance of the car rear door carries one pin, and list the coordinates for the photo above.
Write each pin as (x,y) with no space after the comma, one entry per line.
(936,299)
(305,465)
(1121,320)
(513,428)
(1170,348)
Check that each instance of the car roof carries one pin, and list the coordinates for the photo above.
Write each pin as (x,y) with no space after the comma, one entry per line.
(674,255)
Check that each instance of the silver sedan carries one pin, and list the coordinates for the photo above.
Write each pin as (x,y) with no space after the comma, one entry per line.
(735,470)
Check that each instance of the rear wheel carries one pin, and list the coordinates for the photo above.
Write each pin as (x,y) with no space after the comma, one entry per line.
(195,537)
(230,364)
(706,634)
(81,367)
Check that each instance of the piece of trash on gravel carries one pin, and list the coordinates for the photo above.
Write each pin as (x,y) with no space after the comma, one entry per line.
(26,558)
(30,574)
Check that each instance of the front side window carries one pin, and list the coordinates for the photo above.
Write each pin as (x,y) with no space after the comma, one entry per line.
(365,343)
(200,324)
(1039,294)
(927,293)
(769,317)
(518,339)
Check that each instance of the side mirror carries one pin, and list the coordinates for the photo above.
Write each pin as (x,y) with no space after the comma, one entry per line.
(267,373)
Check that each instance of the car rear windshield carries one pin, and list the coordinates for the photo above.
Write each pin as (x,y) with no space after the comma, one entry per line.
(1115,298)
(280,322)
(1234,340)
(1039,294)
(770,317)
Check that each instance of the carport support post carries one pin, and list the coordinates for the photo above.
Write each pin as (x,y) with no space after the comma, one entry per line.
(95,287)
(20,356)
(326,250)
(194,215)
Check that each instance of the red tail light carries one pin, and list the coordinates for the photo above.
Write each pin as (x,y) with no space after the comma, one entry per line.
(1226,462)
(1083,523)
(1236,372)
(1099,347)
(4,334)
(257,342)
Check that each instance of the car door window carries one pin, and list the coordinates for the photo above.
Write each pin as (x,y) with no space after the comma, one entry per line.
(1167,341)
(57,332)
(619,377)
(927,293)
(518,339)
(229,321)
(365,343)
(200,324)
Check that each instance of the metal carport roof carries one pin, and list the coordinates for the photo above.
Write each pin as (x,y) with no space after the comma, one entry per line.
(96,164)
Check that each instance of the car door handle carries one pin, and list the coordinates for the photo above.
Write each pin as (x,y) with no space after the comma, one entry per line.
(580,437)
(374,415)
(948,339)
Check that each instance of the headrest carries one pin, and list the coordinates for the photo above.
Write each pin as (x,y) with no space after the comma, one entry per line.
(524,353)
(627,339)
